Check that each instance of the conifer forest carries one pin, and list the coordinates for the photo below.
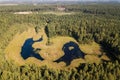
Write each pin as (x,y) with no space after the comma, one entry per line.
(60,41)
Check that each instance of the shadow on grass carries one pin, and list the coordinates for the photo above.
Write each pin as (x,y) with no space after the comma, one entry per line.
(110,53)
(28,51)
(72,51)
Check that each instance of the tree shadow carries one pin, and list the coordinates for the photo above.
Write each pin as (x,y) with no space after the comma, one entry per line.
(72,51)
(110,53)
(28,51)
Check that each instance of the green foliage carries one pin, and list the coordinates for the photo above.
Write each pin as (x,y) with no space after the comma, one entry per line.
(100,23)
(104,71)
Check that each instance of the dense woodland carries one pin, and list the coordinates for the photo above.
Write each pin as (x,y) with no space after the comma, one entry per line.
(92,22)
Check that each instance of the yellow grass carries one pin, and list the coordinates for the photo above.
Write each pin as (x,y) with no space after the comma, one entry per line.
(92,51)
(92,59)
(50,52)
(104,57)
(53,51)
(14,48)
(76,63)
(92,48)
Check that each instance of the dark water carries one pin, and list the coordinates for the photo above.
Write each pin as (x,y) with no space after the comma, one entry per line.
(71,51)
(28,51)
(70,54)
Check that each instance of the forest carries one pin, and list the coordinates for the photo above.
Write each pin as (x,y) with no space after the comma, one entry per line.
(86,24)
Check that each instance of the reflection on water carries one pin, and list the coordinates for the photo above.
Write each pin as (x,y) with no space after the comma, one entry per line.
(71,51)
(28,51)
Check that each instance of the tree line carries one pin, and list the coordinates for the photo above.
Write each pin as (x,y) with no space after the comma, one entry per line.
(104,71)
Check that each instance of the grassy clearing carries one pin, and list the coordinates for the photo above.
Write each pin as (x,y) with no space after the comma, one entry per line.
(92,48)
(58,13)
(50,52)
(92,51)
(14,48)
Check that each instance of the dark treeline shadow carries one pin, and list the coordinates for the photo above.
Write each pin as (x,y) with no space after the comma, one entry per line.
(109,51)
(28,51)
(71,51)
